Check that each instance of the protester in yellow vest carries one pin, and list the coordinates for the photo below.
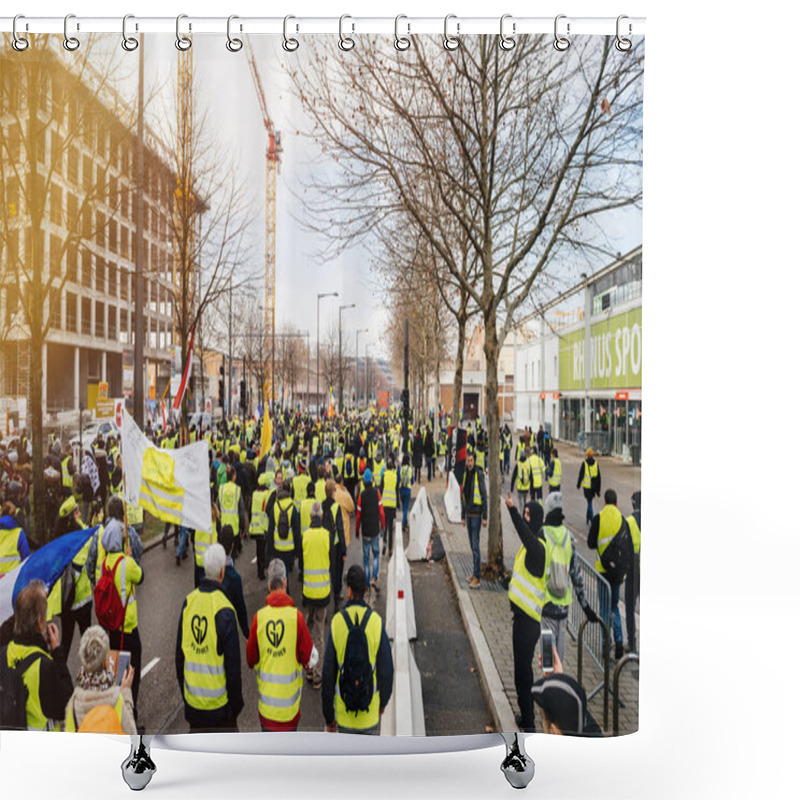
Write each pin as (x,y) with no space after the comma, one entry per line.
(589,481)
(632,578)
(537,474)
(284,543)
(521,480)
(554,471)
(317,556)
(605,526)
(231,507)
(207,662)
(340,705)
(259,522)
(389,488)
(35,652)
(279,647)
(526,593)
(13,542)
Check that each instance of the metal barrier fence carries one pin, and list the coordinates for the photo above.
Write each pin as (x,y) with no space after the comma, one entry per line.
(599,441)
(598,593)
(617,701)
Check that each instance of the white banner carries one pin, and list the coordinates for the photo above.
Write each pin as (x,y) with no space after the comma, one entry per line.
(191,473)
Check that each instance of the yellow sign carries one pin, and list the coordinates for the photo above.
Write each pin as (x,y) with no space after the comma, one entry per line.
(102,390)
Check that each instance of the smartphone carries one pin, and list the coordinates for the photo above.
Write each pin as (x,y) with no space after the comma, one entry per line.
(123,661)
(547,651)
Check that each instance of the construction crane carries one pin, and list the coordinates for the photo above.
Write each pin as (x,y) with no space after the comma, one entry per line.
(274,151)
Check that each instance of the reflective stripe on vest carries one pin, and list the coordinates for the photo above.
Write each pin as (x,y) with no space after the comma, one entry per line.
(374,628)
(555,479)
(523,476)
(284,545)
(390,488)
(229,506)
(589,472)
(610,524)
(202,541)
(258,514)
(36,719)
(558,547)
(316,564)
(204,684)
(10,557)
(278,675)
(525,591)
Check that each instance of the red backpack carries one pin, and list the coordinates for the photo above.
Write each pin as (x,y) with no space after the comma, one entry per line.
(107,602)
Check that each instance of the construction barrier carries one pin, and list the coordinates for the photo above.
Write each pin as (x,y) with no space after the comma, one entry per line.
(420,527)
(405,714)
(452,499)
(395,572)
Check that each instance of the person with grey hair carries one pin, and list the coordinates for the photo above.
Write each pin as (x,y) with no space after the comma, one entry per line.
(207,662)
(127,575)
(278,648)
(562,573)
(97,684)
(35,652)
(316,557)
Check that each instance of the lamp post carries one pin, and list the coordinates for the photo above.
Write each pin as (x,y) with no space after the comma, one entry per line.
(319,297)
(341,384)
(361,330)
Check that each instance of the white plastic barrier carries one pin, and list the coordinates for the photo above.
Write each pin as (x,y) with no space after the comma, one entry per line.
(420,527)
(452,499)
(405,714)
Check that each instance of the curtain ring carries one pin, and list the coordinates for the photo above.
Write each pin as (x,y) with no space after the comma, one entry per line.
(19,43)
(182,42)
(451,42)
(290,44)
(234,43)
(129,43)
(507,42)
(561,43)
(623,45)
(401,42)
(346,43)
(70,42)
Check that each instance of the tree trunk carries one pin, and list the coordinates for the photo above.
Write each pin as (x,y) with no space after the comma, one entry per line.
(36,432)
(491,350)
(458,376)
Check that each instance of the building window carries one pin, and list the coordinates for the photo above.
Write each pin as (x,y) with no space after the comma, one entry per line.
(112,283)
(112,323)
(72,165)
(86,269)
(55,309)
(87,174)
(100,277)
(123,284)
(72,263)
(56,253)
(56,204)
(100,233)
(112,236)
(99,320)
(72,213)
(86,316)
(72,312)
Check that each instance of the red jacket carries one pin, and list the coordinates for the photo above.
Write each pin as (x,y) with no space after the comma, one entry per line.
(303,652)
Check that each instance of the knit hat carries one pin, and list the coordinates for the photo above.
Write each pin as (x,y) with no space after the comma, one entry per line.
(112,537)
(589,452)
(563,700)
(94,649)
(262,479)
(367,475)
(553,501)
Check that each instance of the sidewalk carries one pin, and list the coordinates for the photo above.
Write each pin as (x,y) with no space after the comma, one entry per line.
(486,612)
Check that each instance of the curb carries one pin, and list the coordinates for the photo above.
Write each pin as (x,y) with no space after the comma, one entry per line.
(492,685)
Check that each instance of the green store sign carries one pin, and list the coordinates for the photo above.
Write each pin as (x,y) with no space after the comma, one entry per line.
(616,354)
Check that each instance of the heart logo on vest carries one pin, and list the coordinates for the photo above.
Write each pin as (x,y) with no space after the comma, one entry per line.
(275,632)
(199,628)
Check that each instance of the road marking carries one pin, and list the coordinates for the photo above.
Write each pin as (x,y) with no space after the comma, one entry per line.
(150,666)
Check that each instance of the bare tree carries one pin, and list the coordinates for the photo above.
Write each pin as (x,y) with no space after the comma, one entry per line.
(526,150)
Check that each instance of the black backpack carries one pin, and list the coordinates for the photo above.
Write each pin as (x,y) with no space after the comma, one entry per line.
(616,558)
(356,685)
(283,523)
(14,692)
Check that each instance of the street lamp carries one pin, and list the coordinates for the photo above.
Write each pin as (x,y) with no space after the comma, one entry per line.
(319,297)
(341,385)
(362,330)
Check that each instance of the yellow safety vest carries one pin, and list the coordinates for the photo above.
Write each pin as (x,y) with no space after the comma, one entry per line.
(558,547)
(229,506)
(476,488)
(589,472)
(204,685)
(480,459)
(36,719)
(319,490)
(300,488)
(202,541)
(278,675)
(121,582)
(72,724)
(610,524)
(555,479)
(378,468)
(360,719)
(66,476)
(390,488)
(305,514)
(349,466)
(636,533)
(334,512)
(258,515)
(284,545)
(316,563)
(526,591)
(523,476)
(83,586)
(537,471)
(10,557)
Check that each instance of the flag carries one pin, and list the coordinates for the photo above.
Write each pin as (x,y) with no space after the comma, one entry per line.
(47,563)
(266,434)
(171,484)
(187,374)
(331,410)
